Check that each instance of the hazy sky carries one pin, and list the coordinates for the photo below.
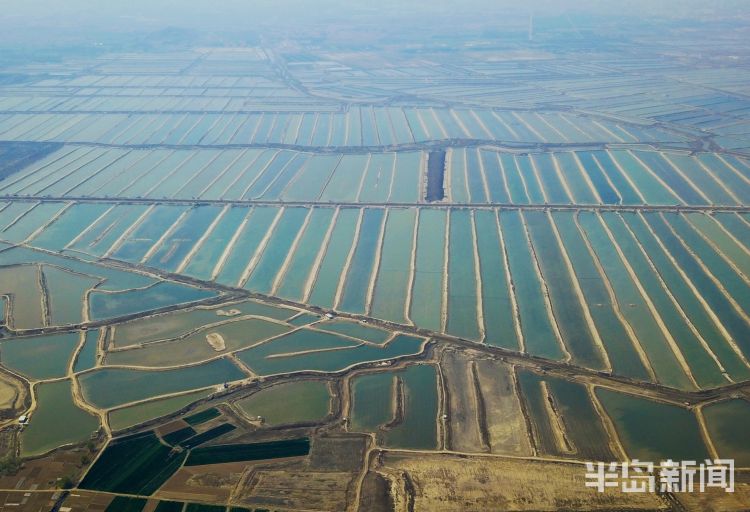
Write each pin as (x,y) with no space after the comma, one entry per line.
(243,11)
(35,22)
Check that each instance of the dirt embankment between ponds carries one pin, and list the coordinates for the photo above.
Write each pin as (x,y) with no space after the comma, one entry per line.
(398,404)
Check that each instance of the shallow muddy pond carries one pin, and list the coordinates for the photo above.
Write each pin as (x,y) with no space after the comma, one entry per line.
(46,430)
(291,402)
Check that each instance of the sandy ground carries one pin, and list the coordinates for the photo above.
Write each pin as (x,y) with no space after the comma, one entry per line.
(420,481)
(216,341)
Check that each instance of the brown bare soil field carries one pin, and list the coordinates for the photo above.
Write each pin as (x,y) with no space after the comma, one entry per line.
(338,452)
(441,483)
(17,500)
(296,489)
(13,394)
(170,427)
(212,484)
(505,421)
(718,500)
(376,494)
(44,473)
(465,435)
(87,501)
